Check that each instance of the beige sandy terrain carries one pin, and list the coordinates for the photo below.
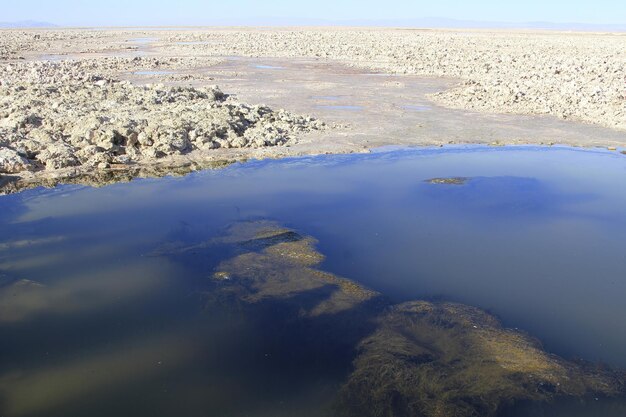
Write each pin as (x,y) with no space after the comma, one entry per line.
(367,88)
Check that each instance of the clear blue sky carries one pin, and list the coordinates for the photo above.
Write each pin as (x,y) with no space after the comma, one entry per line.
(197,12)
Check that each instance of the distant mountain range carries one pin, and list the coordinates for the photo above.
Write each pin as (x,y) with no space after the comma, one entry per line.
(435,22)
(417,23)
(26,24)
(428,23)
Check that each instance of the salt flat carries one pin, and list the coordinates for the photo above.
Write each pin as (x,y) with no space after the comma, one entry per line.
(342,90)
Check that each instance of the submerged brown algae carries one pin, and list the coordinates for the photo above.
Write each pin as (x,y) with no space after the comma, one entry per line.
(418,358)
(446,359)
(280,264)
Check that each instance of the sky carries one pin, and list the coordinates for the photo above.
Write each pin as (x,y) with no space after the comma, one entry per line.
(228,12)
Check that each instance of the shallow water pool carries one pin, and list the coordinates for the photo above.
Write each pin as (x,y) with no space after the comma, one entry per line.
(94,323)
(268,67)
(339,107)
(326,98)
(153,72)
(143,40)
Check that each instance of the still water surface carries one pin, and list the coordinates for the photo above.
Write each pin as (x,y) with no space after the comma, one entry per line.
(92,324)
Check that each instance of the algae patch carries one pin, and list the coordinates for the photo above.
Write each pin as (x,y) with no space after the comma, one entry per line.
(278,263)
(445,359)
(418,358)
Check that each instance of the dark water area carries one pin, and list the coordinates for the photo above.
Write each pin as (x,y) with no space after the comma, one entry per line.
(583,407)
(92,322)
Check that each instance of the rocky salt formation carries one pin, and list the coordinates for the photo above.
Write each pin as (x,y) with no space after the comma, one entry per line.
(567,75)
(76,70)
(19,43)
(415,359)
(12,162)
(55,116)
(578,76)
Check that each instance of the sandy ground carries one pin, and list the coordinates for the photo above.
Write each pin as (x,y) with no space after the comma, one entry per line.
(375,87)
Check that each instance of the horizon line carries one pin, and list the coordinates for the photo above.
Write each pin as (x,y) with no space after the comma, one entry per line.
(400,23)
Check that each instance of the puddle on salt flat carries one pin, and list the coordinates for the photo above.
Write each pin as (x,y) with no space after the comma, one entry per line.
(53,57)
(153,72)
(339,107)
(329,98)
(413,107)
(143,40)
(93,324)
(270,67)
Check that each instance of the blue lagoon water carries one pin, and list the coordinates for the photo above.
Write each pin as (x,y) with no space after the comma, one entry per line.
(92,324)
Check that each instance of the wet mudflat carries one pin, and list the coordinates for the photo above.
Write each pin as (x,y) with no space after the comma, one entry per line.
(267,67)
(152,72)
(340,107)
(250,291)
